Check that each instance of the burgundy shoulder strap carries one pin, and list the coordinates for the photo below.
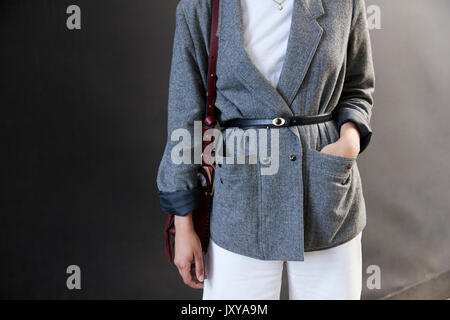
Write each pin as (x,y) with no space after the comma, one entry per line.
(213,45)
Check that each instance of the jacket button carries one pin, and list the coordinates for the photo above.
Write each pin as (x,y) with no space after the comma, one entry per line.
(293,157)
(266,160)
(220,165)
(349,166)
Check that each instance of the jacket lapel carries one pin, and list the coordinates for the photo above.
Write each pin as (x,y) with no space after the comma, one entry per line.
(241,63)
(303,40)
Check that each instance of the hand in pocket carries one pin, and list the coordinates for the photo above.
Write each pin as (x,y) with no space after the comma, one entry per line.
(342,147)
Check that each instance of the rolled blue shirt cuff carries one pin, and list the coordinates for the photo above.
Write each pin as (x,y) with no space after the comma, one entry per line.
(178,203)
(361,123)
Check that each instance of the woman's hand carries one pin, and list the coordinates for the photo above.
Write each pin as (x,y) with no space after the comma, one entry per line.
(188,248)
(348,143)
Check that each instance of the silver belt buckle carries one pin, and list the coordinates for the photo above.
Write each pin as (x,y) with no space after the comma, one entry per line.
(278,122)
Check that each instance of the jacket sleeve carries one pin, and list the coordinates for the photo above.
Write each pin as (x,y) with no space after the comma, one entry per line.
(177,182)
(356,101)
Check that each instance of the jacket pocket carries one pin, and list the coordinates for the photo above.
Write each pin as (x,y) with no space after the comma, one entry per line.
(236,193)
(329,195)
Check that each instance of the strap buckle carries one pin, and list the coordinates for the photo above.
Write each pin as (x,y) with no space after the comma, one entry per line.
(278,122)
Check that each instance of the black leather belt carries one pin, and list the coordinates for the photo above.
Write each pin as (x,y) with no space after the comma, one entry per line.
(277,122)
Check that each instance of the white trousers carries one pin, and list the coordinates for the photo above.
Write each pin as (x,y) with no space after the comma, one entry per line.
(330,274)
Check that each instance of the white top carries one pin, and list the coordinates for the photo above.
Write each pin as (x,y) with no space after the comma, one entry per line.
(266,33)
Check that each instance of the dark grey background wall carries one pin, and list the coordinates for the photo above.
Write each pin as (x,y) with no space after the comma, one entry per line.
(83,126)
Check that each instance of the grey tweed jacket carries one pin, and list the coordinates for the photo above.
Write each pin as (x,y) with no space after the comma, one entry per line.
(315,200)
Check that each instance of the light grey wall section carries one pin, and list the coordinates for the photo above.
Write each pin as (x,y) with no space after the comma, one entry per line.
(406,169)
